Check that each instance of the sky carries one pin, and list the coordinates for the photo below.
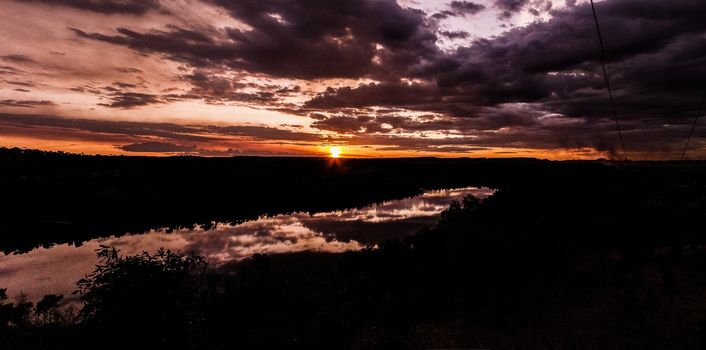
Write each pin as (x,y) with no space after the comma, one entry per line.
(377,78)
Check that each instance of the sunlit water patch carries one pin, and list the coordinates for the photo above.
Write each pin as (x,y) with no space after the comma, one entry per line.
(55,270)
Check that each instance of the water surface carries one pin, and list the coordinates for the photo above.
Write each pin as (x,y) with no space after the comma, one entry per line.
(55,270)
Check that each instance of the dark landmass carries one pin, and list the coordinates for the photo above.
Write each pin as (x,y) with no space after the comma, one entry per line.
(51,197)
(566,255)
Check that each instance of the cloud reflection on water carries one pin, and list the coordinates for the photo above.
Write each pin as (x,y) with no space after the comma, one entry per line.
(56,269)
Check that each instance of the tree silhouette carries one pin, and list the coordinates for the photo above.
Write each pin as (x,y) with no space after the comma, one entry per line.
(154,297)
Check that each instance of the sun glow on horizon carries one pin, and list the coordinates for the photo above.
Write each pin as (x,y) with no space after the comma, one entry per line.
(335,152)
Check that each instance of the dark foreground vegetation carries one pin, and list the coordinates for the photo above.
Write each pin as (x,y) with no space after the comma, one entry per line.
(577,255)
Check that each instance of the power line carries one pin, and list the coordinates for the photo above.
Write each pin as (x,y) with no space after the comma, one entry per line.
(607,81)
(693,126)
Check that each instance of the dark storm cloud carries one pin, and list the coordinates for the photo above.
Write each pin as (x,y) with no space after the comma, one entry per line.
(657,63)
(8,70)
(487,119)
(26,103)
(86,89)
(382,94)
(454,34)
(20,83)
(511,5)
(178,44)
(459,9)
(128,70)
(213,88)
(123,85)
(509,8)
(466,7)
(655,53)
(157,147)
(17,59)
(297,39)
(346,124)
(128,100)
(443,15)
(389,124)
(133,7)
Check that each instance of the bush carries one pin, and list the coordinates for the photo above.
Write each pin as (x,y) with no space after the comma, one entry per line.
(152,297)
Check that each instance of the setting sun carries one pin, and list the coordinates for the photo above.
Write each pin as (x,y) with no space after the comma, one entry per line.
(335,152)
